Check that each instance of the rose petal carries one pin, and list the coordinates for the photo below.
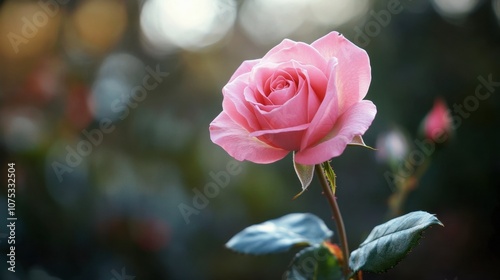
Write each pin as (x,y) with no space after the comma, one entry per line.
(245,67)
(263,76)
(355,121)
(281,96)
(280,130)
(236,141)
(353,69)
(286,138)
(327,113)
(292,113)
(236,107)
(300,100)
(286,43)
(289,50)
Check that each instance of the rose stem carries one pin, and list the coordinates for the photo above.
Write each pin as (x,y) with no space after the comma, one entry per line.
(337,217)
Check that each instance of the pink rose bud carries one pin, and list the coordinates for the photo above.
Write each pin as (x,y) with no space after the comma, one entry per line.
(306,98)
(437,124)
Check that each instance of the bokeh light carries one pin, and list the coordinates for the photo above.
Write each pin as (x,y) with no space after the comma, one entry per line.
(26,30)
(188,24)
(23,129)
(454,9)
(336,13)
(269,21)
(96,25)
(67,173)
(496,9)
(392,146)
(112,89)
(266,21)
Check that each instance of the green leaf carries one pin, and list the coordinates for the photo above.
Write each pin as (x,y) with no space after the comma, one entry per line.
(305,174)
(279,235)
(390,242)
(314,263)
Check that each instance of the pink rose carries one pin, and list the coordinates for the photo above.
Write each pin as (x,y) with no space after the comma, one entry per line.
(437,123)
(298,97)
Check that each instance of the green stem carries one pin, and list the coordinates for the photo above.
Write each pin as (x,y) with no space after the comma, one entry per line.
(337,217)
(404,188)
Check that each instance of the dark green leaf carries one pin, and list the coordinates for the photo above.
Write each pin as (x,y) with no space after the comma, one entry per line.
(390,242)
(279,235)
(314,263)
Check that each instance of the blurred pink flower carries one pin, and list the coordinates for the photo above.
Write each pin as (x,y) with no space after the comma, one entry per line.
(298,97)
(437,123)
(392,146)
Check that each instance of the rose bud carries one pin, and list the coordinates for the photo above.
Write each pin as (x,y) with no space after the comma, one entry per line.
(437,125)
(392,147)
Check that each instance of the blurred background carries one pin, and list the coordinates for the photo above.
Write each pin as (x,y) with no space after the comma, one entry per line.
(105,107)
